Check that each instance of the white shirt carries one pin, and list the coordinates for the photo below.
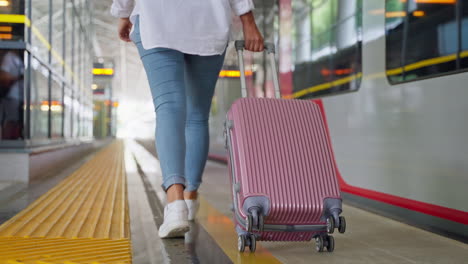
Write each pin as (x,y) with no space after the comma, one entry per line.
(200,27)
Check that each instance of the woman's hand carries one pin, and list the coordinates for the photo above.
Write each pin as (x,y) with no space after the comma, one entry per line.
(124,29)
(253,38)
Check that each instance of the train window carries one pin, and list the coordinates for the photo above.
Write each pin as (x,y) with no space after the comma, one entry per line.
(326,46)
(424,38)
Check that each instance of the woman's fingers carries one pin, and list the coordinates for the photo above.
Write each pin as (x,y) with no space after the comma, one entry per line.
(252,45)
(259,45)
(124,29)
(124,35)
(247,44)
(255,44)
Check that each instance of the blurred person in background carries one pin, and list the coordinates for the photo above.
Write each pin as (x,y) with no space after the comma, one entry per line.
(11,94)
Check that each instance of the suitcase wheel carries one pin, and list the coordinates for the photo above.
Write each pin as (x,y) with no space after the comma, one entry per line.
(247,240)
(342,225)
(330,243)
(254,219)
(253,243)
(330,224)
(319,243)
(241,241)
(324,241)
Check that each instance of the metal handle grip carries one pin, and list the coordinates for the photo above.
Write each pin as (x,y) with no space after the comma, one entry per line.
(270,49)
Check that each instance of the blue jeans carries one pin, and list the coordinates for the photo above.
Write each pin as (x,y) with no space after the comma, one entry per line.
(182,86)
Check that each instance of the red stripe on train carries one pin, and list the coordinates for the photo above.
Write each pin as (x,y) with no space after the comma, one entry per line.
(426,208)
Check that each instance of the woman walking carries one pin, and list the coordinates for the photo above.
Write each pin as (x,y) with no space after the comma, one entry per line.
(182,44)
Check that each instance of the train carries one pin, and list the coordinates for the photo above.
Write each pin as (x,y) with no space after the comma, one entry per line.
(391,78)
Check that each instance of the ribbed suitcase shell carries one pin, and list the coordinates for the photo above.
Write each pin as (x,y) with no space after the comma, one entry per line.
(280,149)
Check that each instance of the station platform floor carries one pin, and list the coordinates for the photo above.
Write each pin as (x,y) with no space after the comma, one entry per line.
(107,209)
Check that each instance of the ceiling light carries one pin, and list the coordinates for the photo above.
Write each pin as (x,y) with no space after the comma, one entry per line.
(4,3)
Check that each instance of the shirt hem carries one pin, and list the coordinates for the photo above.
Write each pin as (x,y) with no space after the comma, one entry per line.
(215,51)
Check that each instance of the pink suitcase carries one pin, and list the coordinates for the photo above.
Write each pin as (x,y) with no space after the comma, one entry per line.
(282,169)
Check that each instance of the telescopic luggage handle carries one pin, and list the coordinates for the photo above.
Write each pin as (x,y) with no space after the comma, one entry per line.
(270,49)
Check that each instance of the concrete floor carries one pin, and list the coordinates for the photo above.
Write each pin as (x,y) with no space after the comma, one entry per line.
(369,238)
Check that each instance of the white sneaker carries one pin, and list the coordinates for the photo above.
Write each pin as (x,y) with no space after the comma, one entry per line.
(175,220)
(192,206)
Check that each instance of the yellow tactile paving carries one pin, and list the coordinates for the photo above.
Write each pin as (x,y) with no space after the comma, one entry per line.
(84,219)
(63,250)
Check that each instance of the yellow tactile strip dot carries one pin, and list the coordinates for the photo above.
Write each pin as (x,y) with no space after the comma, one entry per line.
(84,219)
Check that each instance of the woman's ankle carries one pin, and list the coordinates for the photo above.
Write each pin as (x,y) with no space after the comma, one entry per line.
(175,192)
(191,195)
